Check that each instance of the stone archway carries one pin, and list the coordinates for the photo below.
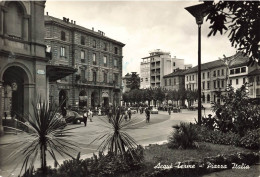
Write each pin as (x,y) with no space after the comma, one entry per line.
(16,90)
(83,99)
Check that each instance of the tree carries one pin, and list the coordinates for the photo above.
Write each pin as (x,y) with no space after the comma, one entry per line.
(46,134)
(241,19)
(159,95)
(237,113)
(134,81)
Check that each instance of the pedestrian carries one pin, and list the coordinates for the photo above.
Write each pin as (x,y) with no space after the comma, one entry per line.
(169,110)
(99,112)
(125,115)
(85,117)
(129,113)
(110,114)
(147,112)
(90,115)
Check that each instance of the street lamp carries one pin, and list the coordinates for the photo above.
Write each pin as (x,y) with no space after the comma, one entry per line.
(199,12)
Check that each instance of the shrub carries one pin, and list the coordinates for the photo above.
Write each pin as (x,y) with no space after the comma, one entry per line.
(251,140)
(183,136)
(216,136)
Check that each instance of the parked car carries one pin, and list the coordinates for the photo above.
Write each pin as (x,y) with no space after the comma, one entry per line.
(62,119)
(133,110)
(73,117)
(154,111)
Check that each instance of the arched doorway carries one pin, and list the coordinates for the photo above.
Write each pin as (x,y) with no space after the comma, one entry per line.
(15,79)
(83,99)
(63,101)
(94,99)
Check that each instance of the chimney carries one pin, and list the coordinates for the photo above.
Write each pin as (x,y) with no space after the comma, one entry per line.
(64,19)
(92,28)
(74,22)
(68,20)
(71,21)
(47,13)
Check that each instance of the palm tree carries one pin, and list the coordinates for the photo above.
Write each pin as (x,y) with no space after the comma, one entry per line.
(115,139)
(46,133)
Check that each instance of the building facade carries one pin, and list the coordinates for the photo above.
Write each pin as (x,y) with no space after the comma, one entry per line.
(159,63)
(97,59)
(216,76)
(175,80)
(23,75)
(131,81)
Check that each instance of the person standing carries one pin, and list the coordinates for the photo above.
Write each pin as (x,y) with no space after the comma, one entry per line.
(90,115)
(129,113)
(169,110)
(85,117)
(147,112)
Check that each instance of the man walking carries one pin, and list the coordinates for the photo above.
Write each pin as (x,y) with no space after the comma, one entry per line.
(85,117)
(147,112)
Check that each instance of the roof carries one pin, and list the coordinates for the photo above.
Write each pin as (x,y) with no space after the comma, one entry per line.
(254,72)
(238,60)
(48,18)
(179,72)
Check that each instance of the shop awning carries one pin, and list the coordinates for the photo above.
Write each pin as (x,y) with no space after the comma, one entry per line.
(56,72)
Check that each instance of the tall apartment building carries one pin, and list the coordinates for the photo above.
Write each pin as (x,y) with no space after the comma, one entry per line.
(145,70)
(215,77)
(97,59)
(157,65)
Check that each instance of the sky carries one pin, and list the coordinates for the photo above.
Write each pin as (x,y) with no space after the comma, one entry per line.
(144,26)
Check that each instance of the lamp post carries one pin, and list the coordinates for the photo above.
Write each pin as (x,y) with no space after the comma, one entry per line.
(199,12)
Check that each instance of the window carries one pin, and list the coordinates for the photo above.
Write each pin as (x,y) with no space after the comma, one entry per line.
(173,63)
(82,40)
(208,85)
(214,73)
(105,60)
(203,75)
(105,77)
(82,55)
(222,72)
(116,50)
(62,51)
(190,77)
(214,84)
(165,82)
(170,81)
(222,83)
(141,80)
(218,84)
(82,74)
(94,76)
(218,72)
(63,35)
(146,79)
(116,79)
(237,71)
(203,85)
(105,46)
(94,59)
(243,69)
(232,71)
(244,80)
(237,81)
(193,77)
(115,63)
(208,74)
(94,43)
(230,81)
(174,81)
(187,78)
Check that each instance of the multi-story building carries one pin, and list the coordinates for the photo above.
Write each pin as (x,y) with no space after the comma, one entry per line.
(216,75)
(254,83)
(175,80)
(145,71)
(157,65)
(97,58)
(130,80)
(23,75)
